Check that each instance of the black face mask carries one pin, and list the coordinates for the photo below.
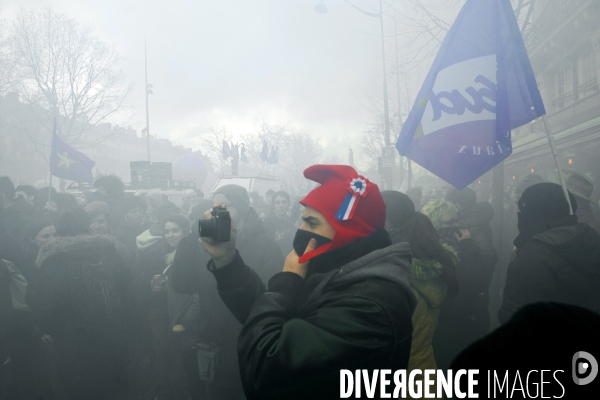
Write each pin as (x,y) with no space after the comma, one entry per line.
(303,237)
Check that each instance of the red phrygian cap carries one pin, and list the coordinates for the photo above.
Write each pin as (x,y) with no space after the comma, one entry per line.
(349,202)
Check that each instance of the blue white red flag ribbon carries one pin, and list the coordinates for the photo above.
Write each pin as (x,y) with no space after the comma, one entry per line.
(357,188)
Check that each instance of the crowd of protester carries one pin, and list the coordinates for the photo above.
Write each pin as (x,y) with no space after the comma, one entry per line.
(111,295)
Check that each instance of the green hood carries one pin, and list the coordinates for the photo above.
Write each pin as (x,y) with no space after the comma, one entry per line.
(427,278)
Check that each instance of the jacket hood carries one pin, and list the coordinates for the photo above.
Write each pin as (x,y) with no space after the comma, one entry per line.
(578,244)
(146,239)
(74,244)
(426,274)
(391,263)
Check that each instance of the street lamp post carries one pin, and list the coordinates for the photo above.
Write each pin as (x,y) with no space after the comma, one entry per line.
(386,112)
(148,92)
(322,9)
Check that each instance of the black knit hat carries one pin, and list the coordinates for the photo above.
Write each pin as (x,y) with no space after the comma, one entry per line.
(399,207)
(544,202)
(238,196)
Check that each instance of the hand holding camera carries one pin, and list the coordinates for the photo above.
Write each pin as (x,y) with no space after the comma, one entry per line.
(217,235)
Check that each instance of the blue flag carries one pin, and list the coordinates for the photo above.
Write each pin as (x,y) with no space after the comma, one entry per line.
(480,86)
(226,151)
(68,163)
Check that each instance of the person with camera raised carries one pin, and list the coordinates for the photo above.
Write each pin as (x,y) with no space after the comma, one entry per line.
(343,300)
(189,275)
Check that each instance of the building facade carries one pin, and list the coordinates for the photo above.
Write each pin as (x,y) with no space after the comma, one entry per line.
(564,48)
(25,137)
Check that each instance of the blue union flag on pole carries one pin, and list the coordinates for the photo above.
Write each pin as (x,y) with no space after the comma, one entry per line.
(480,86)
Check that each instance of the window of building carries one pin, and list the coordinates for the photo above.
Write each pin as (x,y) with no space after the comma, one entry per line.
(588,74)
(564,81)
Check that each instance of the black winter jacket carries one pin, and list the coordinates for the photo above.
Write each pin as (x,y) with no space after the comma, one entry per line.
(298,334)
(189,275)
(6,311)
(476,219)
(54,298)
(561,264)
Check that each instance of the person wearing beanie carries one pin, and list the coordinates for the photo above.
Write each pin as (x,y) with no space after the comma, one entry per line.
(343,300)
(189,275)
(465,318)
(510,230)
(98,212)
(433,269)
(557,259)
(582,188)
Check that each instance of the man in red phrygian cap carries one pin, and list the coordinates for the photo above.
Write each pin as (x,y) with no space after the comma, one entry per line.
(343,300)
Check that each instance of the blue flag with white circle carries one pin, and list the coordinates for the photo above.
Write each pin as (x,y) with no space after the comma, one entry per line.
(480,86)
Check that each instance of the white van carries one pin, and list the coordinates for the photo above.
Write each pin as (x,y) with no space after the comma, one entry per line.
(259,184)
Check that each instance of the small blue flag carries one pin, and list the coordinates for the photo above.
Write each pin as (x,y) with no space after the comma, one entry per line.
(480,86)
(226,151)
(264,154)
(68,163)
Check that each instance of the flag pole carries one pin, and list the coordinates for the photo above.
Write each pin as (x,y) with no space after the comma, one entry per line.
(50,159)
(409,173)
(558,167)
(50,189)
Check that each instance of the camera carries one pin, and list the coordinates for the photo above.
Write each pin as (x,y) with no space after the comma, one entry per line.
(217,227)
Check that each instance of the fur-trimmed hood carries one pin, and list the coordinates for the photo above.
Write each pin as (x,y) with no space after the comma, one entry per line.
(74,244)
(426,282)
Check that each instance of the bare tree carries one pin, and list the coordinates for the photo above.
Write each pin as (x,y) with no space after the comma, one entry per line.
(63,68)
(7,65)
(422,27)
(212,143)
(296,149)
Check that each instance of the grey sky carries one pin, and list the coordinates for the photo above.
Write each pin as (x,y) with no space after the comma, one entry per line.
(235,63)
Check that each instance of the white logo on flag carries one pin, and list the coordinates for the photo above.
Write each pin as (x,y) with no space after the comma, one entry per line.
(463,92)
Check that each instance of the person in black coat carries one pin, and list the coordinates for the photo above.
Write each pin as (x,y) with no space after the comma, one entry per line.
(10,248)
(83,299)
(343,300)
(558,259)
(465,318)
(6,311)
(189,275)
